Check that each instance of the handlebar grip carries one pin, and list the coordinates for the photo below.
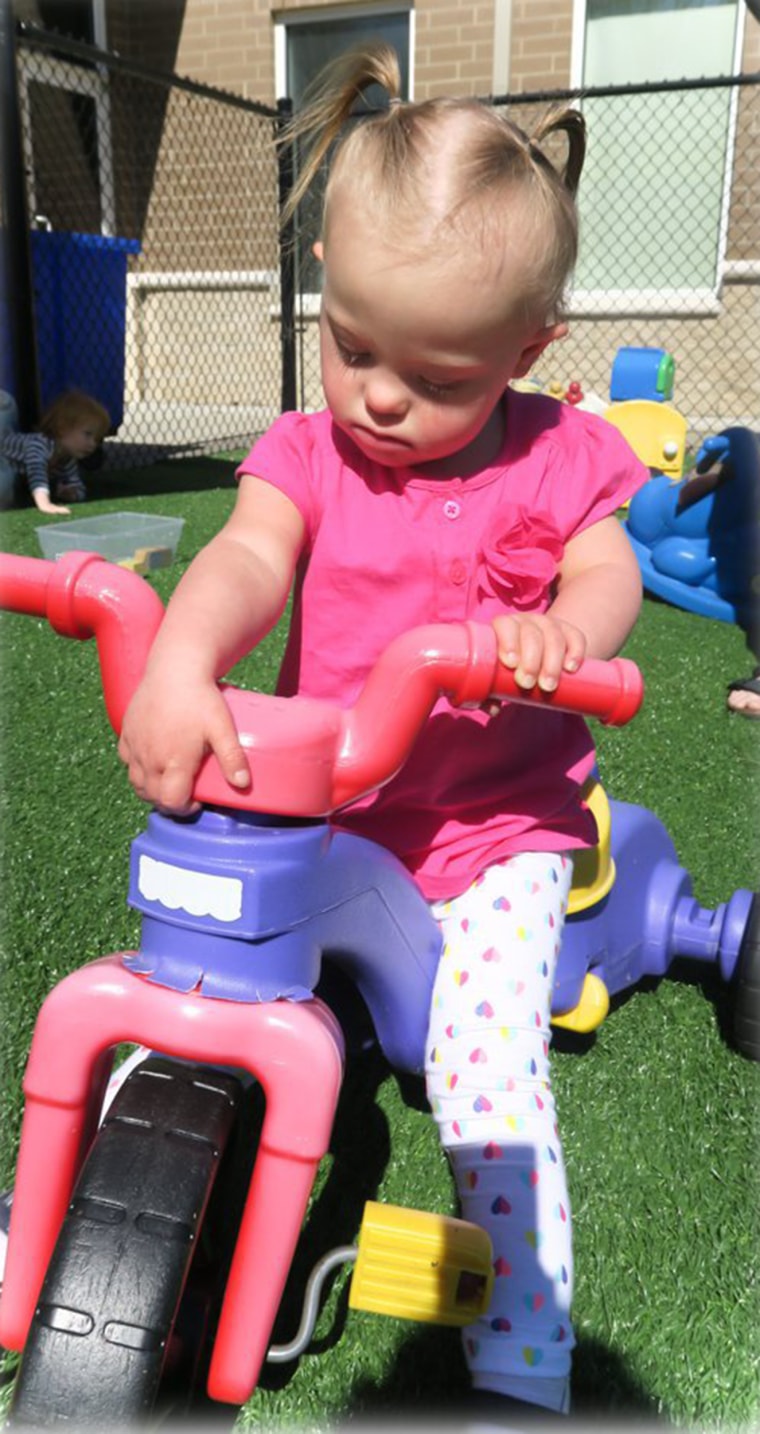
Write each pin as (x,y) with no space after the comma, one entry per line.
(611,691)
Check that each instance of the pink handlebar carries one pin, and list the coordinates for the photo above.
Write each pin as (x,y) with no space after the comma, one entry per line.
(83,596)
(306,756)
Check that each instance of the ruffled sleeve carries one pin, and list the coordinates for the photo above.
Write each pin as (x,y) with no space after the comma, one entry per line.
(571,464)
(285,457)
(599,473)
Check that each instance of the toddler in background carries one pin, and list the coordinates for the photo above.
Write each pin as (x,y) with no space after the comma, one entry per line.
(430,491)
(46,461)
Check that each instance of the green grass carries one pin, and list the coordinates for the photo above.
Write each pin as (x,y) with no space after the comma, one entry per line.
(659,1114)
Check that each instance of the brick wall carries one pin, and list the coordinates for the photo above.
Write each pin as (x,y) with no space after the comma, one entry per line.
(540,50)
(744,228)
(454,48)
(229,43)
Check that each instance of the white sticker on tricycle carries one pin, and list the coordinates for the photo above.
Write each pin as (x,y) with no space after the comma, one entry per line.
(198,893)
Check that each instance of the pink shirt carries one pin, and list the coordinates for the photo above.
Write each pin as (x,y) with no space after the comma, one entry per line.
(387,550)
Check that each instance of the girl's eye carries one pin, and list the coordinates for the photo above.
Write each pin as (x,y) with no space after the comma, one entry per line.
(436,390)
(351,357)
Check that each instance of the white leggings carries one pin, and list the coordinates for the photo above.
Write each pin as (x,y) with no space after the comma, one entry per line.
(487,1070)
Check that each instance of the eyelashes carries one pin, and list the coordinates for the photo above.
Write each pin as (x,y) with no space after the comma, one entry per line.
(356,358)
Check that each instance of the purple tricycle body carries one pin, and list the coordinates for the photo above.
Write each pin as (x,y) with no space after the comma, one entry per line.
(244,915)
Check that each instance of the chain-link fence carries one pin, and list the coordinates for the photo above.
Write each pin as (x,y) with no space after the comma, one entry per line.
(155,252)
(670,244)
(161,283)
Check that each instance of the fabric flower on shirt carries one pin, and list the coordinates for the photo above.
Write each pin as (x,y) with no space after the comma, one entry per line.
(521,562)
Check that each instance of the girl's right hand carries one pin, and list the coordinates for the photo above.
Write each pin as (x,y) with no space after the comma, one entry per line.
(168,729)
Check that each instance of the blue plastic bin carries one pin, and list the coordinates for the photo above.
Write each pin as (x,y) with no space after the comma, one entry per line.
(80,286)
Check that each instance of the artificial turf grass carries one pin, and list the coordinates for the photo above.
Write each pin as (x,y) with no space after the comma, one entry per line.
(657,1112)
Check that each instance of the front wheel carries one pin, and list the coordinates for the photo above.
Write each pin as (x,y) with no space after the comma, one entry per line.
(101,1337)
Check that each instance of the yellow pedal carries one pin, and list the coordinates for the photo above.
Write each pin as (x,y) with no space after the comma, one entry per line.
(419,1266)
(590,1010)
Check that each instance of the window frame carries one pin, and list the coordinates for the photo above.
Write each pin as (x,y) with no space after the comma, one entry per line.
(682,302)
(291,19)
(90,84)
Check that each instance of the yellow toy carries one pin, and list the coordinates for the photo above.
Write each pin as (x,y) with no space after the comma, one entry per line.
(655,431)
(146,560)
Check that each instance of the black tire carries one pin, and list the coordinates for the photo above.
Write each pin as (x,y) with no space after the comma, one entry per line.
(747,988)
(101,1337)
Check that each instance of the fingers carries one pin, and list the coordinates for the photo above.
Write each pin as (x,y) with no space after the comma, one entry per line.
(538,648)
(163,758)
(225,745)
(166,785)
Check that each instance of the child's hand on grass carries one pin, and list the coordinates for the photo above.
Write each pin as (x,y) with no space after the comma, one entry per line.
(45,504)
(168,730)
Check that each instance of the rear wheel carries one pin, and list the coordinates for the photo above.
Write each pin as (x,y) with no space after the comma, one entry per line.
(747,988)
(103,1332)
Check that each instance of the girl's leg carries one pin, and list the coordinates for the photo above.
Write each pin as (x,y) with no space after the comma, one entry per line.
(487,1070)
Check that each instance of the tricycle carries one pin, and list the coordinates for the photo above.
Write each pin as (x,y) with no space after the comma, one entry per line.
(122,1228)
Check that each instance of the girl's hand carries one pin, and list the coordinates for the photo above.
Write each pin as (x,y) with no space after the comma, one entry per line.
(168,729)
(538,648)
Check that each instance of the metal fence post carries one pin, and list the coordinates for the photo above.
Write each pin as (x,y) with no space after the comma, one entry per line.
(287,266)
(16,256)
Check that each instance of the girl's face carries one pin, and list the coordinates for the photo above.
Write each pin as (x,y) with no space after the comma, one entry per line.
(417,354)
(79,440)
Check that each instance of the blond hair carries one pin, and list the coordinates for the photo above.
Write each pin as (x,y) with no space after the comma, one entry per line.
(72,408)
(387,154)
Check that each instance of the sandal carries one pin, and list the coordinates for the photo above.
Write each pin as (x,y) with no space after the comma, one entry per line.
(750,685)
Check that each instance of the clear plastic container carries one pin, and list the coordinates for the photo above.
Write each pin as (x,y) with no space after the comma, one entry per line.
(137,539)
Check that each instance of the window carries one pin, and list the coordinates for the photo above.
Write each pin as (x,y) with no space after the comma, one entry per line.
(69,99)
(304,43)
(653,198)
(77,19)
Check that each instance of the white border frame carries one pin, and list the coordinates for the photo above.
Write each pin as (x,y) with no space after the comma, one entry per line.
(681,302)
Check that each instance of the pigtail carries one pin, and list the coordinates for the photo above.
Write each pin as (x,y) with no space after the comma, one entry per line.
(337,96)
(571,123)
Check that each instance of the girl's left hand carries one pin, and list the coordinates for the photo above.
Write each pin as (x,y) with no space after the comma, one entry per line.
(538,648)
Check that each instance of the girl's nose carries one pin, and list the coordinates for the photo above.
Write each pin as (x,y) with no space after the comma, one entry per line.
(385,395)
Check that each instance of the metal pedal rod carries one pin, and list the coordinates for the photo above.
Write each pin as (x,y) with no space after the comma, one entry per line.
(281,1353)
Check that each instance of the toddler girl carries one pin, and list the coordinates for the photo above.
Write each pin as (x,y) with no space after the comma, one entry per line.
(46,461)
(429,491)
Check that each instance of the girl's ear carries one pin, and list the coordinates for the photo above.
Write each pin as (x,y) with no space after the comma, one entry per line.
(533,350)
(318,250)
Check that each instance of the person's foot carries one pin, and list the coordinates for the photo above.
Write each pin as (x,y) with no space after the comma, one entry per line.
(744,695)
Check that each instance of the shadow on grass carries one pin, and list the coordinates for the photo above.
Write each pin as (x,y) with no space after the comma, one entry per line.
(429,1385)
(180,475)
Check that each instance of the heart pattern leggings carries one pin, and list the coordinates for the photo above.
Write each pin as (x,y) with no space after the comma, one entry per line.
(488,1083)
